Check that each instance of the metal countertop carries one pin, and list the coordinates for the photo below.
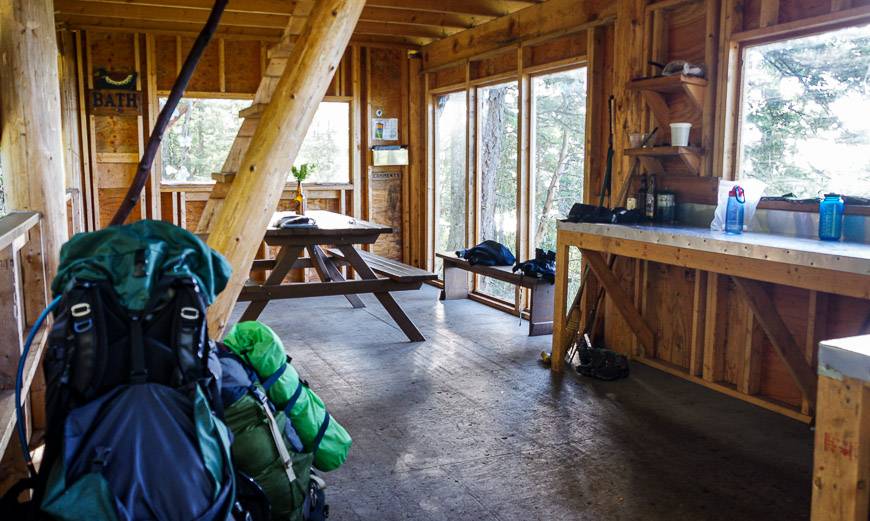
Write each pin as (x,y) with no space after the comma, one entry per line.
(850,257)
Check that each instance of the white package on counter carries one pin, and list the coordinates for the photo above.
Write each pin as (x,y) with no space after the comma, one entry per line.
(754,190)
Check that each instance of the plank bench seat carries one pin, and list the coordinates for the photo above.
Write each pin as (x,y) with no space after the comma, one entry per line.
(540,308)
(389,268)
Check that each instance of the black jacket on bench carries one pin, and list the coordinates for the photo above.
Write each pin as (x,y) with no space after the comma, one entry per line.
(488,253)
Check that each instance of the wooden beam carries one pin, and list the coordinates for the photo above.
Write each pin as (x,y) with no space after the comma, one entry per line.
(715,322)
(839,5)
(769,14)
(489,8)
(842,451)
(764,309)
(623,302)
(164,14)
(31,146)
(390,29)
(403,16)
(241,222)
(537,21)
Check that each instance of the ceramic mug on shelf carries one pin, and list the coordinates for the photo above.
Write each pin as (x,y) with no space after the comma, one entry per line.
(680,134)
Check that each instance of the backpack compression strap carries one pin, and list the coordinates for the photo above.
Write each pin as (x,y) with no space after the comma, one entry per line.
(85,312)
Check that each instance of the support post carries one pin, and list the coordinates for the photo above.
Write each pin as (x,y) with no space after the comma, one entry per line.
(32,144)
(242,220)
(841,467)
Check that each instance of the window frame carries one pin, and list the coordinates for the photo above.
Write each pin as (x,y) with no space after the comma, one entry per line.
(206,186)
(525,163)
(728,153)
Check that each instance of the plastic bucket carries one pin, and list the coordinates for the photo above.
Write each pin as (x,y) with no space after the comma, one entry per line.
(680,134)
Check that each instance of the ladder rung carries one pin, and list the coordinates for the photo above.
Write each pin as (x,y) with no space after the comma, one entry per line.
(254,111)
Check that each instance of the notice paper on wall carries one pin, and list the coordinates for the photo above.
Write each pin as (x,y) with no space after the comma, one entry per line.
(385,129)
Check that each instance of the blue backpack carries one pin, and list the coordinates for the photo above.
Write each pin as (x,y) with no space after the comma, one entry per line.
(132,382)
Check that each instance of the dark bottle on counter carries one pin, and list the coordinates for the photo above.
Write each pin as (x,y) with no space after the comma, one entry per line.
(650,199)
(637,200)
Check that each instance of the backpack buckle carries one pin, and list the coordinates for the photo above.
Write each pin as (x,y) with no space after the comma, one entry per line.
(82,309)
(82,326)
(189,313)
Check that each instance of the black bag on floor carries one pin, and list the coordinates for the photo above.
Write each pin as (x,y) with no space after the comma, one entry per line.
(601,363)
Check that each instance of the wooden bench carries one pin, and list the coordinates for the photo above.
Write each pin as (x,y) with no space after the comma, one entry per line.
(540,308)
(389,268)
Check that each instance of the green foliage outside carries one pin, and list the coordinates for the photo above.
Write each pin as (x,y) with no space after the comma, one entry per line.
(806,110)
(327,144)
(560,113)
(450,176)
(202,131)
(560,139)
(498,175)
(199,137)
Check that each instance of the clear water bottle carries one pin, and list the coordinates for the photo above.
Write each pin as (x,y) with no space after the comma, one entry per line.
(734,210)
(831,217)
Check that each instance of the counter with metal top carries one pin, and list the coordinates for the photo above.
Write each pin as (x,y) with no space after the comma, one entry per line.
(746,263)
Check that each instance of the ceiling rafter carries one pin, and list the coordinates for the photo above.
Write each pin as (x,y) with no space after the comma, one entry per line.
(416,21)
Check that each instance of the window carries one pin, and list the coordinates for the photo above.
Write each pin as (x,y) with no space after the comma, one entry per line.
(558,142)
(450,175)
(198,138)
(202,131)
(806,114)
(327,144)
(559,109)
(497,106)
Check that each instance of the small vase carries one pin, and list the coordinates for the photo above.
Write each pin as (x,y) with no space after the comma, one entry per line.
(299,198)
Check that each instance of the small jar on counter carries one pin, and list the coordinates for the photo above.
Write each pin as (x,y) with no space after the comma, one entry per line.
(666,207)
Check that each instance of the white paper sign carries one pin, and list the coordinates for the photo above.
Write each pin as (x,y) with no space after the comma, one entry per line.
(385,129)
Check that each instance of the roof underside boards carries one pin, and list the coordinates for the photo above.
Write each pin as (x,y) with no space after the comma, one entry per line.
(410,22)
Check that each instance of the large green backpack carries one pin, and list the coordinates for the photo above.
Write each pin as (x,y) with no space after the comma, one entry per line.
(265,446)
(319,432)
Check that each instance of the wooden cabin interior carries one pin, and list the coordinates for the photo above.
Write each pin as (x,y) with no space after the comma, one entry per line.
(669,366)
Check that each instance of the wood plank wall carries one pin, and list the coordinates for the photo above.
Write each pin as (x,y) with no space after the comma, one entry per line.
(707,332)
(371,77)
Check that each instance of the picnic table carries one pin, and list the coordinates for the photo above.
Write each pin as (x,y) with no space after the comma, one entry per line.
(332,242)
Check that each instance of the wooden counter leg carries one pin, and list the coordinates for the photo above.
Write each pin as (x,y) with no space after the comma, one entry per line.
(560,296)
(841,470)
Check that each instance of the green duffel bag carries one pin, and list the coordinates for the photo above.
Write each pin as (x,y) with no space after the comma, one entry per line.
(265,447)
(319,433)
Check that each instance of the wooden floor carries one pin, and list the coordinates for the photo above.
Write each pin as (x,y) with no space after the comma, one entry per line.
(468,426)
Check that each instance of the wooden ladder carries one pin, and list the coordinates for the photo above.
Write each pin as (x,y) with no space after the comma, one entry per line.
(276,62)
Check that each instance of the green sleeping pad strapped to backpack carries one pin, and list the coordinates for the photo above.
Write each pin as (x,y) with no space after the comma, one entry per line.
(256,433)
(319,433)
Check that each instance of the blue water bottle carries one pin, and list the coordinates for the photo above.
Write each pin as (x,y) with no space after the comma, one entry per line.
(734,211)
(831,217)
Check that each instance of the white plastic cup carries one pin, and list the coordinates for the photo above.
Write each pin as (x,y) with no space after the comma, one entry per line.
(680,134)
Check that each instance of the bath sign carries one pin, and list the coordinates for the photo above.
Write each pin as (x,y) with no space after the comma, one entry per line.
(111,102)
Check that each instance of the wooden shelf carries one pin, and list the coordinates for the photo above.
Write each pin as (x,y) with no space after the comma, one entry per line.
(654,91)
(651,157)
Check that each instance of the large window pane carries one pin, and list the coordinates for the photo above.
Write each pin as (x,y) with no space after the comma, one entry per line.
(559,102)
(806,114)
(450,175)
(327,144)
(498,175)
(199,137)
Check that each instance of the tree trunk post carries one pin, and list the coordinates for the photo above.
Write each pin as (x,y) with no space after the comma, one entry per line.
(32,143)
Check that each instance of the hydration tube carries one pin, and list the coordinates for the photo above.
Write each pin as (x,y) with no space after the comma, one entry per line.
(19,412)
